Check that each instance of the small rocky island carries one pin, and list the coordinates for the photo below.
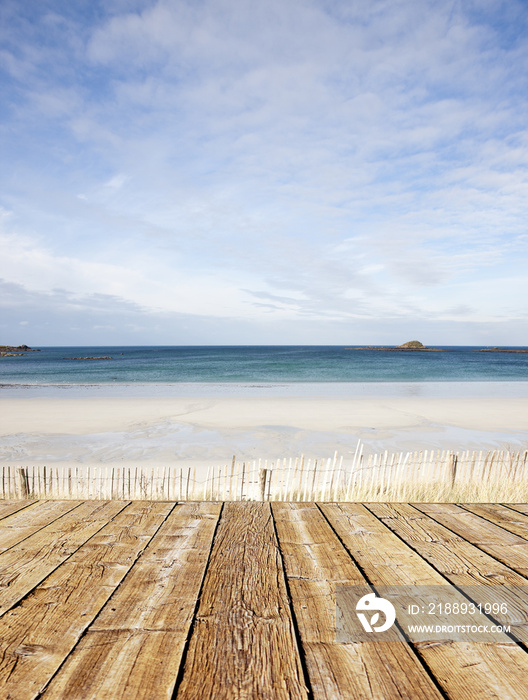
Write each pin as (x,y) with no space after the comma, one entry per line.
(411,345)
(15,350)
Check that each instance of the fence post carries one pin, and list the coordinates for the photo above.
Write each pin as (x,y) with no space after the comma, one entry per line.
(263,473)
(22,483)
(453,466)
(188,483)
(242,480)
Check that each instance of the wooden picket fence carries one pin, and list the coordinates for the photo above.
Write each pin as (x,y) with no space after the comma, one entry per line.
(421,476)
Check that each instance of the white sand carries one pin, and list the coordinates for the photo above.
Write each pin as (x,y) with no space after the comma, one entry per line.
(202,431)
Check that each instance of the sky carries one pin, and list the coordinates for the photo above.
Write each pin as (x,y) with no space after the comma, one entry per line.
(263,172)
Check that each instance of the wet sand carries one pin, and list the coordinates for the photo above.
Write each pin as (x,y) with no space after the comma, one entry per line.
(201,431)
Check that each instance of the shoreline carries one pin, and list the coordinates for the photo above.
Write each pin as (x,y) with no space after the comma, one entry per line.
(396,389)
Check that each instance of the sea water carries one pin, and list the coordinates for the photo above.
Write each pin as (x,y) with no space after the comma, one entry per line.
(259,368)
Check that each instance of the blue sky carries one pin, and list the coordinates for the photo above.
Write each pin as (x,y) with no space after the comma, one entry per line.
(240,172)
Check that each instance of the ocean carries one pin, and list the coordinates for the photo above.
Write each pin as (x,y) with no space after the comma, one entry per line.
(254,367)
(164,428)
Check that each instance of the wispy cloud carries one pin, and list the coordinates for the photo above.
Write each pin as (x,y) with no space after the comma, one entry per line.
(270,163)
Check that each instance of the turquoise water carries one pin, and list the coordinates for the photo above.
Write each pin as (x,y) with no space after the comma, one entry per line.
(261,364)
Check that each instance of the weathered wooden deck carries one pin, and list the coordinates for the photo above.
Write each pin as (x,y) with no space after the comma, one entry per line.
(113,599)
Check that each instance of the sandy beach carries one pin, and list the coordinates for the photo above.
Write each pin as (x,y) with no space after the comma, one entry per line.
(201,431)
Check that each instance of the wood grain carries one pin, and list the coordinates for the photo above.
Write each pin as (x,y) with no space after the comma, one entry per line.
(519,507)
(505,546)
(463,670)
(9,507)
(137,640)
(502,516)
(23,523)
(460,562)
(38,634)
(243,643)
(316,562)
(238,600)
(25,565)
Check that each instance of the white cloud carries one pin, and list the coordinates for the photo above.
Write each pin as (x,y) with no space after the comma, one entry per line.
(270,161)
(116,182)
(144,282)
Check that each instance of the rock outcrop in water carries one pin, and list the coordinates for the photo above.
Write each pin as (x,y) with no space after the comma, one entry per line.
(104,357)
(15,350)
(411,345)
(502,350)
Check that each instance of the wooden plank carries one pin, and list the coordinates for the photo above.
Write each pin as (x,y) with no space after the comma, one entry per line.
(519,507)
(315,563)
(16,527)
(38,634)
(136,642)
(10,507)
(459,561)
(366,670)
(25,565)
(100,671)
(505,546)
(376,549)
(463,670)
(456,558)
(500,515)
(471,527)
(243,643)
